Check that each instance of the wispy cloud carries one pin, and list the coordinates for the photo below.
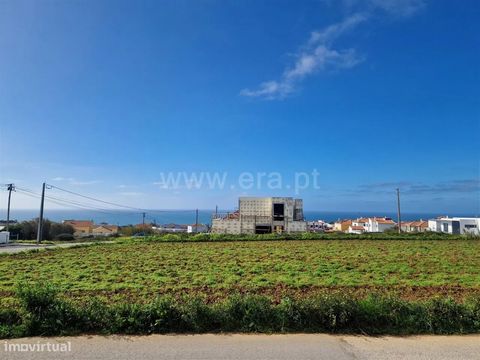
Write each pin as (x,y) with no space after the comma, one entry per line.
(316,55)
(402,8)
(319,53)
(73,181)
(59,178)
(416,188)
(131,193)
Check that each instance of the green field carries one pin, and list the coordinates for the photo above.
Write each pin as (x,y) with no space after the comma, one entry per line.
(139,270)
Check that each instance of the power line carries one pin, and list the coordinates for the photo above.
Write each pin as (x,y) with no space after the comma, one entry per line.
(73,204)
(116,204)
(87,206)
(94,199)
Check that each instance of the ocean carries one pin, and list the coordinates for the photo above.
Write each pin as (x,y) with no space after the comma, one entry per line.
(188,216)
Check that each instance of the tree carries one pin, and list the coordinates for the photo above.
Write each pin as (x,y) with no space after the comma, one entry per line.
(58,228)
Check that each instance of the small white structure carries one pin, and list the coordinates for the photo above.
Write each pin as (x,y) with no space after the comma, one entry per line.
(4,237)
(356,229)
(194,228)
(455,225)
(257,215)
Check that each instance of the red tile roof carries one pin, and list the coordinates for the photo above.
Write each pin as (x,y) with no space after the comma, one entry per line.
(79,223)
(357,227)
(384,221)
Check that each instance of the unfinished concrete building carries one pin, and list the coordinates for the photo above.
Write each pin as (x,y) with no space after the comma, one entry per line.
(257,215)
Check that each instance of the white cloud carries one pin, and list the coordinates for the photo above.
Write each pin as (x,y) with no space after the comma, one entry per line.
(73,181)
(399,7)
(88,182)
(131,193)
(319,54)
(161,184)
(332,32)
(59,178)
(269,90)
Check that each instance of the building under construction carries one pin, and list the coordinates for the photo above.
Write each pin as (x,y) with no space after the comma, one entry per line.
(262,216)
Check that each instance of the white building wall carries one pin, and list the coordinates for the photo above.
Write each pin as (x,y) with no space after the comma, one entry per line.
(4,237)
(432,225)
(384,227)
(445,225)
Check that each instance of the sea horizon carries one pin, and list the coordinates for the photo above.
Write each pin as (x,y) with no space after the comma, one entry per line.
(186,216)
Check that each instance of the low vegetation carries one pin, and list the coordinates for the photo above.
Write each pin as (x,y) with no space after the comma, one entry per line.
(388,235)
(169,283)
(140,270)
(43,312)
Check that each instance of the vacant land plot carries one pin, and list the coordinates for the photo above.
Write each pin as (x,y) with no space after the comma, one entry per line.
(141,270)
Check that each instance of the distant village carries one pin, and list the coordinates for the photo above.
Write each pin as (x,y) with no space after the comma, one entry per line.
(255,215)
(284,214)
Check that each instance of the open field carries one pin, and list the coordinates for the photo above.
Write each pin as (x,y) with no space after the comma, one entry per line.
(140,270)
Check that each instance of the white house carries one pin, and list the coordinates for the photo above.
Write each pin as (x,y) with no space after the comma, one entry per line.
(414,226)
(356,229)
(455,225)
(379,224)
(200,228)
(375,224)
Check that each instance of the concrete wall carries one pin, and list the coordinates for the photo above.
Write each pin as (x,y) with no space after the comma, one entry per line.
(259,211)
(226,226)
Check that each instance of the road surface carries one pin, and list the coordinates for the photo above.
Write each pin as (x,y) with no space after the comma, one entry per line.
(247,347)
(16,248)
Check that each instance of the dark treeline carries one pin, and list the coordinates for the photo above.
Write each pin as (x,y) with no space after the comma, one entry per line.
(27,230)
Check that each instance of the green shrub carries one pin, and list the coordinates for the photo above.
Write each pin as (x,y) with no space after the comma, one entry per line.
(43,312)
(200,237)
(11,324)
(46,313)
(307,236)
(64,237)
(250,314)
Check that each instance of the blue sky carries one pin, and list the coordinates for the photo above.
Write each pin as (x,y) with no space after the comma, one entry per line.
(103,97)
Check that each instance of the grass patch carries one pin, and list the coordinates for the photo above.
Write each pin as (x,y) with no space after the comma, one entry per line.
(140,271)
(43,312)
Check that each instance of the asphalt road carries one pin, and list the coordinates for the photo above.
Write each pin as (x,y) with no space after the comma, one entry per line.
(15,248)
(246,347)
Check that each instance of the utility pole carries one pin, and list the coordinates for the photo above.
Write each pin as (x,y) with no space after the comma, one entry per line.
(10,187)
(143,223)
(196,220)
(398,212)
(40,218)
